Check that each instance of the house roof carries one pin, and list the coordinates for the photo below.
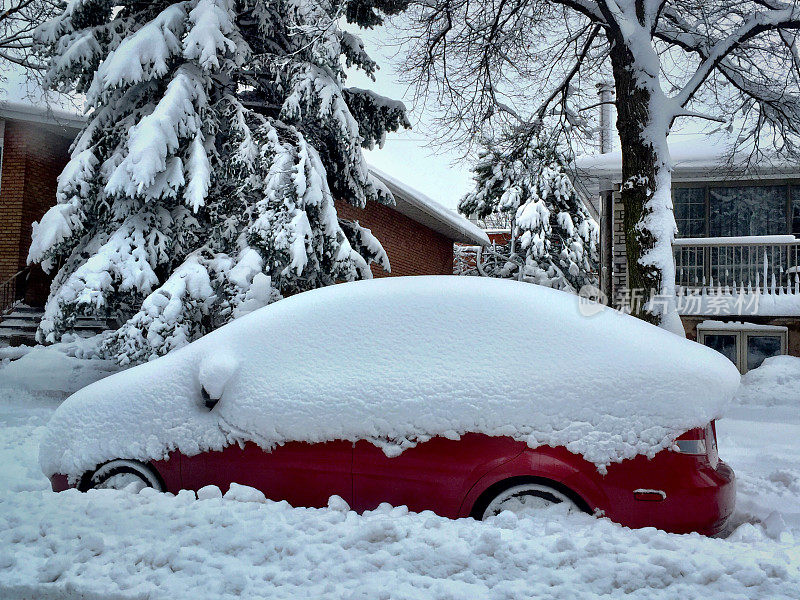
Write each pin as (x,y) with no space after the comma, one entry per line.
(695,157)
(70,122)
(417,206)
(22,98)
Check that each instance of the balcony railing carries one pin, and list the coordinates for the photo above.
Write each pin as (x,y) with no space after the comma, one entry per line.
(736,265)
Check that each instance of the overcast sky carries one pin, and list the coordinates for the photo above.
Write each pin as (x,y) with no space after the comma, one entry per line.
(406,155)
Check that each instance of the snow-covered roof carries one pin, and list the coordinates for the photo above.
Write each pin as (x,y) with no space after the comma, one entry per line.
(417,206)
(694,157)
(23,99)
(384,360)
(738,326)
(21,111)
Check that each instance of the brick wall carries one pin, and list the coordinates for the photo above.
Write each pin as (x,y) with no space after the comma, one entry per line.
(32,159)
(413,249)
(12,187)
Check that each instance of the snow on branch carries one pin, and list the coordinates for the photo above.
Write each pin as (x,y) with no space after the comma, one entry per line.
(211,23)
(713,55)
(144,54)
(159,134)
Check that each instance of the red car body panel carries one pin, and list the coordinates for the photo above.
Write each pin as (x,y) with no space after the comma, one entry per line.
(452,477)
(170,471)
(302,474)
(435,475)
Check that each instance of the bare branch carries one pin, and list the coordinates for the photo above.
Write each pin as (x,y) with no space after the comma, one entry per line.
(716,54)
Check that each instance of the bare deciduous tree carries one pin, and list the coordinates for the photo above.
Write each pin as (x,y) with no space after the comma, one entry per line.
(18,20)
(519,63)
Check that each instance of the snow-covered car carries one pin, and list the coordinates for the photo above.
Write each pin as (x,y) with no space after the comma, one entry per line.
(466,396)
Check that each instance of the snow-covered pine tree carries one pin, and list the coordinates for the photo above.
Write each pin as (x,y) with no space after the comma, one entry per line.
(553,238)
(220,133)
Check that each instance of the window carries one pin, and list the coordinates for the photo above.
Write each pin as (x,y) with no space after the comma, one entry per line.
(796,210)
(747,210)
(760,347)
(745,345)
(737,210)
(724,343)
(690,211)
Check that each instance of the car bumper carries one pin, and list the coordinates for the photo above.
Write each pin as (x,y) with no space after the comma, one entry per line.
(59,482)
(721,498)
(702,501)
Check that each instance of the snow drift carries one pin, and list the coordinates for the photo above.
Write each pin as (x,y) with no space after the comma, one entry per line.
(397,361)
(775,383)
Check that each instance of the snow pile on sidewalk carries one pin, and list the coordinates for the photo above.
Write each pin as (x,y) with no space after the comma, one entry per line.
(109,544)
(22,416)
(59,369)
(775,383)
(396,361)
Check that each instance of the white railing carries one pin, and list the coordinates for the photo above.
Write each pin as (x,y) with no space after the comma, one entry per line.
(737,265)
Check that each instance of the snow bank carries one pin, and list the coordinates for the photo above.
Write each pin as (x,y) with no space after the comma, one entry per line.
(110,545)
(775,383)
(100,545)
(398,360)
(60,369)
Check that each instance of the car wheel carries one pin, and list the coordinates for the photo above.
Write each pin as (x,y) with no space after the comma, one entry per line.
(527,499)
(120,474)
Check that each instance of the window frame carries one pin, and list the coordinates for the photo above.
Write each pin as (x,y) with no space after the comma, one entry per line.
(706,185)
(743,332)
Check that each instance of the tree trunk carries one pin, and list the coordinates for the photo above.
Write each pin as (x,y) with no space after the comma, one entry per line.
(645,190)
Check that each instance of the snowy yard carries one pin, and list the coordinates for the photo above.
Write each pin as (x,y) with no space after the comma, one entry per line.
(109,544)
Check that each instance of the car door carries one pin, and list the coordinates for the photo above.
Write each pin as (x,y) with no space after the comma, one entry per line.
(434,475)
(301,473)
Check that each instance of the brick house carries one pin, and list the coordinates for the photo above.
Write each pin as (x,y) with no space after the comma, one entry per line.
(737,251)
(34,147)
(417,233)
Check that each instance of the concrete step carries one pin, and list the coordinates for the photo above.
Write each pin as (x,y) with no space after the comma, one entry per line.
(13,322)
(20,324)
(19,314)
(25,309)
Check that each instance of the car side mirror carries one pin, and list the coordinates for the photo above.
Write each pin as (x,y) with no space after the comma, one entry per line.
(208,401)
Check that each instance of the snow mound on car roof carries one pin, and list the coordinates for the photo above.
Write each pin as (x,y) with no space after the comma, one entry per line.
(396,361)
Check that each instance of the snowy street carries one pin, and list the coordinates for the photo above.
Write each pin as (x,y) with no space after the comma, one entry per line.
(111,544)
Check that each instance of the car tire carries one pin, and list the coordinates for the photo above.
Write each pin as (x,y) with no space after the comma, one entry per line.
(120,474)
(525,499)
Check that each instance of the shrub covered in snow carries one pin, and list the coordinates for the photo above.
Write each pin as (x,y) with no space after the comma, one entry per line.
(203,184)
(386,361)
(775,383)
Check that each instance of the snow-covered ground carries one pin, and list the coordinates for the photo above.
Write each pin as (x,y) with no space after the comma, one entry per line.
(109,544)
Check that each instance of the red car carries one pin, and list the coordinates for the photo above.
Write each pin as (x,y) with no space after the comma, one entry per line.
(386,378)
(476,476)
